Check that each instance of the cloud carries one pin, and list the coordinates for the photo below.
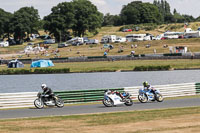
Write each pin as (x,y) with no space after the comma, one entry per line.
(99,2)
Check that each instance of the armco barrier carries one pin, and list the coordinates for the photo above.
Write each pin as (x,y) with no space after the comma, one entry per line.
(26,99)
(84,95)
(17,100)
(172,90)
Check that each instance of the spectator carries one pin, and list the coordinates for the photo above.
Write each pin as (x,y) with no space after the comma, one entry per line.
(154,51)
(105,53)
(132,46)
(132,53)
(192,55)
(135,45)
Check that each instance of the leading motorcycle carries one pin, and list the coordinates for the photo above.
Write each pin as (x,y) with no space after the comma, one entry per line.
(112,99)
(45,100)
(146,95)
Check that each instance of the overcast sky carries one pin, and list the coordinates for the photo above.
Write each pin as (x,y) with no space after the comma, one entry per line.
(189,7)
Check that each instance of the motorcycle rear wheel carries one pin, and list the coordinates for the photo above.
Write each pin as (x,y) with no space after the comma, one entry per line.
(108,102)
(159,97)
(142,98)
(128,102)
(59,103)
(39,103)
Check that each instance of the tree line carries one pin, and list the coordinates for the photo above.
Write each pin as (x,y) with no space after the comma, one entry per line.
(81,16)
(75,17)
(136,12)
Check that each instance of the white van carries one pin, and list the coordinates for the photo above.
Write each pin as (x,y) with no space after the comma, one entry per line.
(4,44)
(135,37)
(120,39)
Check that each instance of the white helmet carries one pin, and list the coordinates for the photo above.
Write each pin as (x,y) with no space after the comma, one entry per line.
(43,86)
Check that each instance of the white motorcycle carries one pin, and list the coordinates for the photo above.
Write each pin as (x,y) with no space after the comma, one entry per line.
(112,99)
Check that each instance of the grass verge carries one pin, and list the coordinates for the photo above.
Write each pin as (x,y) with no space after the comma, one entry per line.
(83,123)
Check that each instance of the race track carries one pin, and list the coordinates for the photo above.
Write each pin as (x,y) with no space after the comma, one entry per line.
(96,108)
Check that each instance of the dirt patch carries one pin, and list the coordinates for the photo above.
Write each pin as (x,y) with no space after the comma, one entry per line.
(180,124)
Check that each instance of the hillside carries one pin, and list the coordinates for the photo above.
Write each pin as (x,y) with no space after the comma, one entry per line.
(193,44)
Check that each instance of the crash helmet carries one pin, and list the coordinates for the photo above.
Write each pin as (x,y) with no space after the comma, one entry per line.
(108,91)
(43,86)
(145,84)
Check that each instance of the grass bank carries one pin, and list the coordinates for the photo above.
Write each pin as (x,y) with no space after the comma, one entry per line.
(163,120)
(110,66)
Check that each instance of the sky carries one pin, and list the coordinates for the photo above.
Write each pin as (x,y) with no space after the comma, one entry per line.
(189,7)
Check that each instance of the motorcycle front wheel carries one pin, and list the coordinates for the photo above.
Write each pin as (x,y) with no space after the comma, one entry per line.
(159,97)
(108,102)
(39,103)
(128,102)
(142,98)
(59,103)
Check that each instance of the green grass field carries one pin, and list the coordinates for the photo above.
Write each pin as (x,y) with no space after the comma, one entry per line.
(121,65)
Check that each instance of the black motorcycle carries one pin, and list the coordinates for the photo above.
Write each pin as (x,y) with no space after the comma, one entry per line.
(45,100)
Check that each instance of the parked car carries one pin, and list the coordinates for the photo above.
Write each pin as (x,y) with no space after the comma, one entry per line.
(85,39)
(92,41)
(127,30)
(76,43)
(49,41)
(44,37)
(62,45)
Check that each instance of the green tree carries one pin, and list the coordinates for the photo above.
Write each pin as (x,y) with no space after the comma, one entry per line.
(87,17)
(60,21)
(79,16)
(197,19)
(179,18)
(164,9)
(5,29)
(111,20)
(24,22)
(137,12)
(189,18)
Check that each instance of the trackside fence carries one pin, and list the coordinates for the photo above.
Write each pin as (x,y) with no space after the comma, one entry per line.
(26,99)
(171,90)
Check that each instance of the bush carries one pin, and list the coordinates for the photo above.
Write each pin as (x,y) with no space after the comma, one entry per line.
(15,71)
(51,70)
(152,68)
(34,71)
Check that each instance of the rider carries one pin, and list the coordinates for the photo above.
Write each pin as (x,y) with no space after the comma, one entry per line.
(47,91)
(148,87)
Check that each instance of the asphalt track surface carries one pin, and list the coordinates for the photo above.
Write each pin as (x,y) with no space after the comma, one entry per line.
(96,108)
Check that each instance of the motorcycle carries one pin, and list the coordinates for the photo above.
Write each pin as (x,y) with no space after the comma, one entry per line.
(148,95)
(45,100)
(112,99)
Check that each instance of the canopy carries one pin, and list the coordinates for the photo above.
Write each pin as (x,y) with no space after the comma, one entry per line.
(15,64)
(42,63)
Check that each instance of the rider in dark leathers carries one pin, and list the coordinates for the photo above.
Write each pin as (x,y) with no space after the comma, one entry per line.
(47,92)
